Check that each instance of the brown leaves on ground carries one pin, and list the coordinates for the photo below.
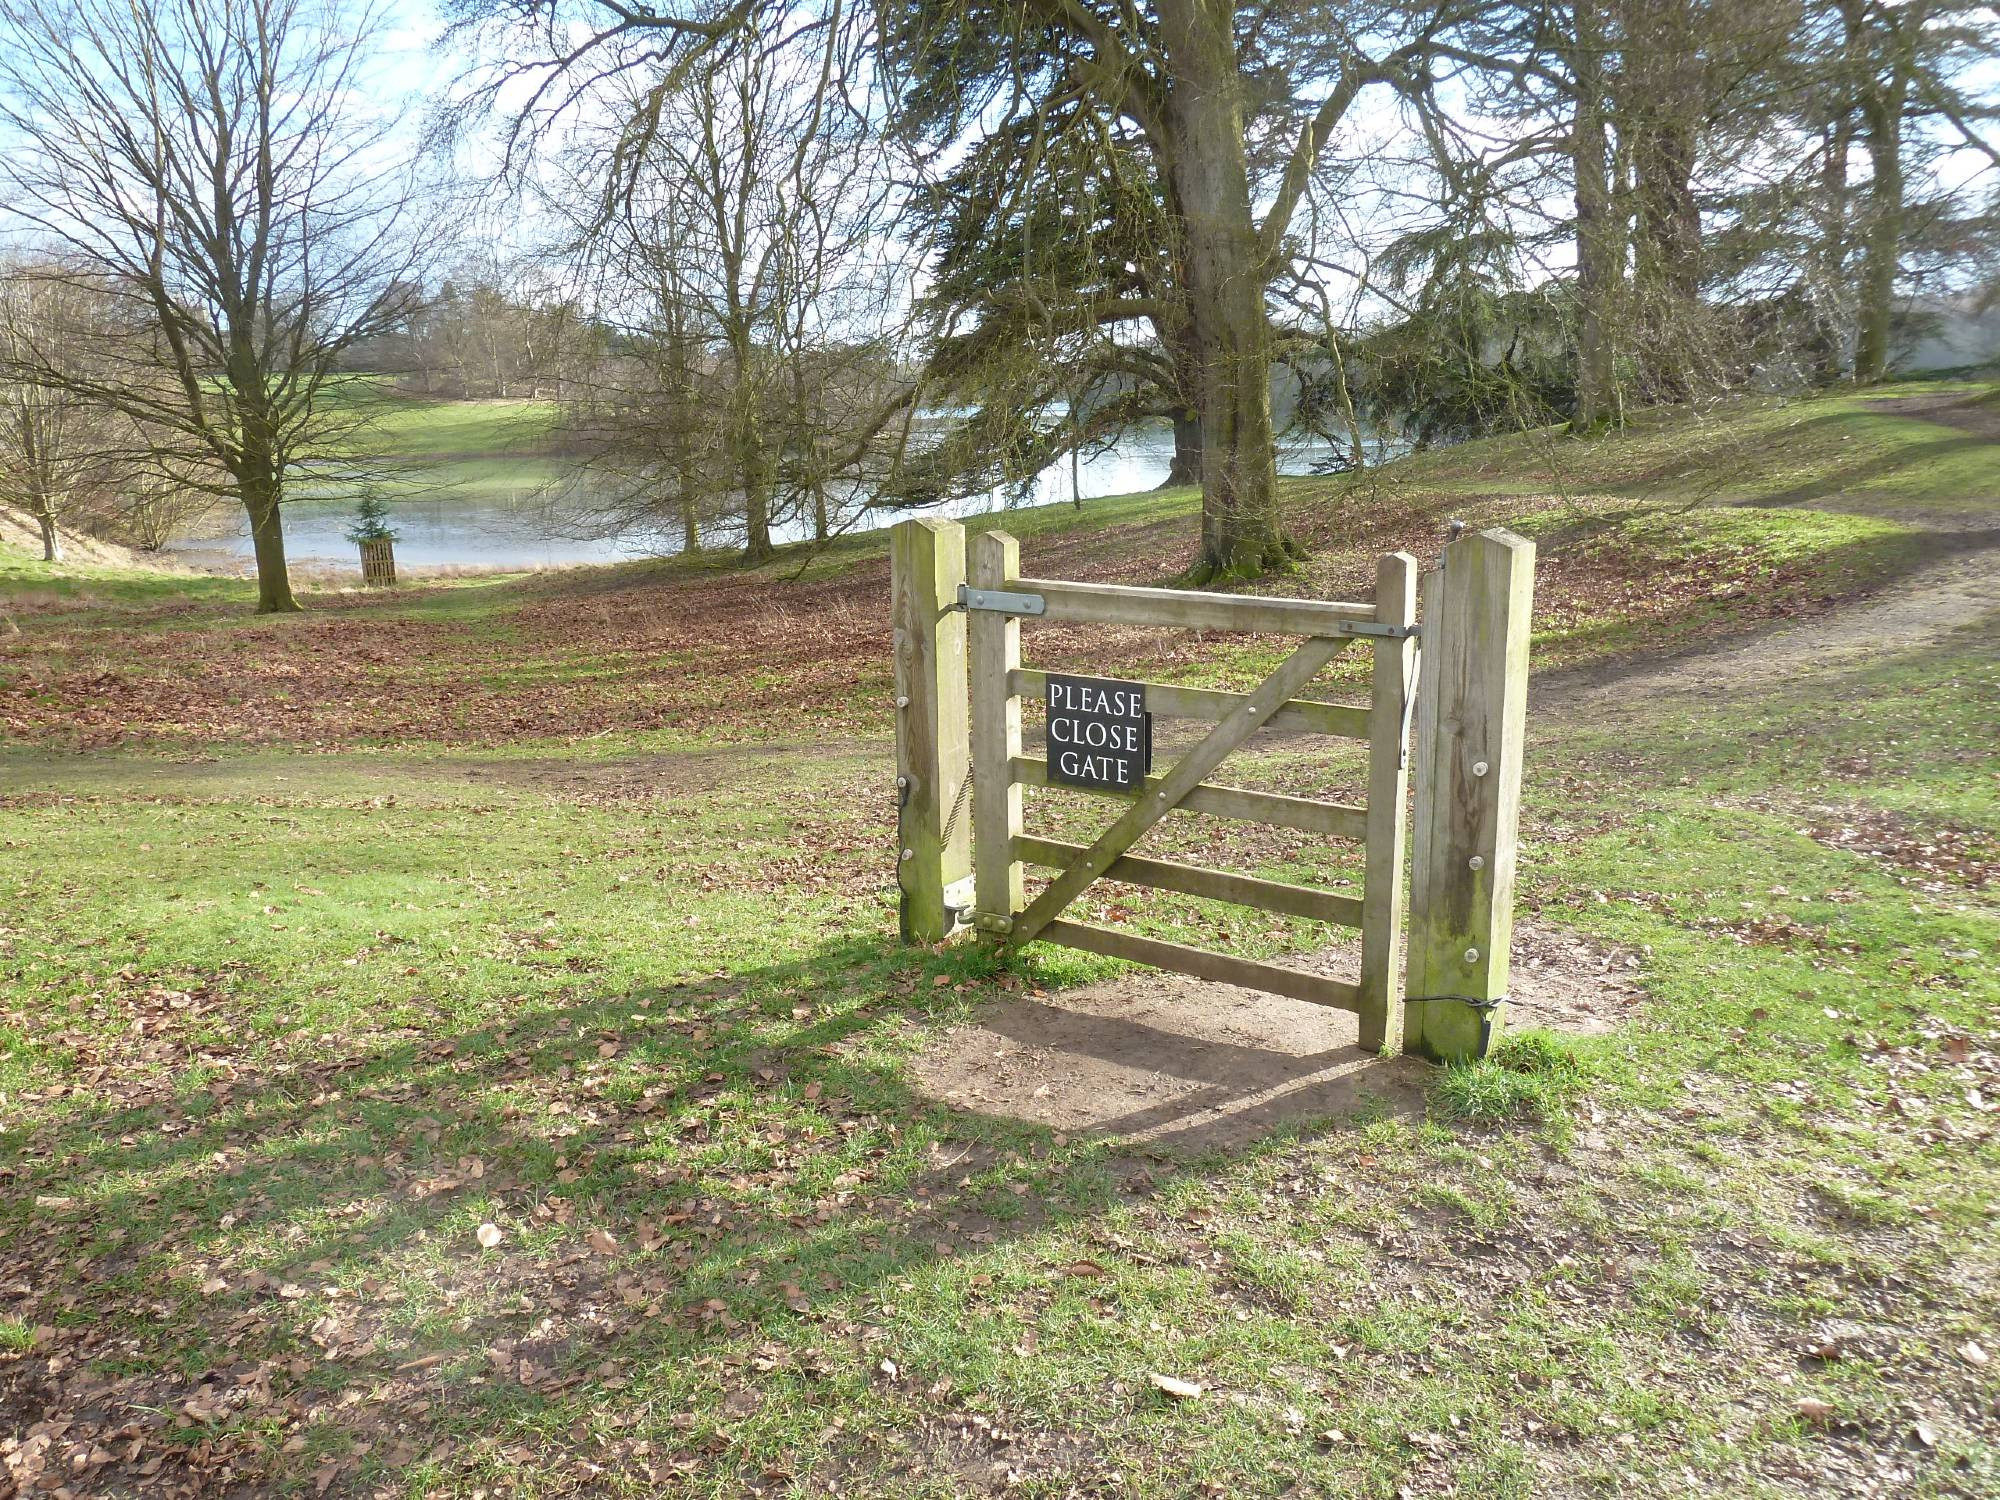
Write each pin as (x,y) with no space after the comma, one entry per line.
(1933,860)
(753,655)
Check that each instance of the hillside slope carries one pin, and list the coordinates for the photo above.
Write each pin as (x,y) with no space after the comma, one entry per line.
(1644,547)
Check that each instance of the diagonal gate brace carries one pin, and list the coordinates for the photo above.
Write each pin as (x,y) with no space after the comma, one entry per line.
(1276,690)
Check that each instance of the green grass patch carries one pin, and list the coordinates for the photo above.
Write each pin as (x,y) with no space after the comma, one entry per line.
(1529,1075)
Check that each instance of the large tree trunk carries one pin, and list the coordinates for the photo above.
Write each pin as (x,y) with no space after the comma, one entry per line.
(1600,242)
(685,479)
(51,538)
(1882,240)
(260,493)
(1240,532)
(1661,103)
(756,502)
(1668,259)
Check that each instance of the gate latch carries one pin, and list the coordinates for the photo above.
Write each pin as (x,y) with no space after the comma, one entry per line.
(1000,601)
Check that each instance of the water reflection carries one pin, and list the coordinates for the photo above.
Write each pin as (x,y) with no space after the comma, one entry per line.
(502,518)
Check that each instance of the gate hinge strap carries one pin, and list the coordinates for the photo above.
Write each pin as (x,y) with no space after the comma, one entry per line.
(1000,601)
(1494,1004)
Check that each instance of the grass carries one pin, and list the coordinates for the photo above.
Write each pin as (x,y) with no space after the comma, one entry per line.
(1529,1075)
(560,906)
(678,653)
(403,425)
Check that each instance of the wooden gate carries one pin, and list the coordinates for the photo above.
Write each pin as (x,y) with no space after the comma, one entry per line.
(955,749)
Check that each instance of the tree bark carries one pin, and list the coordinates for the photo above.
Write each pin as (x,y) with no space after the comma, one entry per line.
(1668,259)
(1660,105)
(1599,242)
(1241,536)
(756,502)
(1882,102)
(51,538)
(267,541)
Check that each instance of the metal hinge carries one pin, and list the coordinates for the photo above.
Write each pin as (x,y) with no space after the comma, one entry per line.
(999,601)
(1369,627)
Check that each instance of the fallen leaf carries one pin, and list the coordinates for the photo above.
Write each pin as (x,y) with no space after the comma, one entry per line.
(602,1242)
(1173,1385)
(489,1236)
(1815,1411)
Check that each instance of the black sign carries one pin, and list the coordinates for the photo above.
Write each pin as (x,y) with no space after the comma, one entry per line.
(1099,733)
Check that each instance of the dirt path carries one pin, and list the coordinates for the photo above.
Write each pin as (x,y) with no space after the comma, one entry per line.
(1958,588)
(1978,415)
(1182,1065)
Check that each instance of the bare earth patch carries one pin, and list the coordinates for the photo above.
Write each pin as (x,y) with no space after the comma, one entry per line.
(1978,415)
(1185,1065)
(1958,590)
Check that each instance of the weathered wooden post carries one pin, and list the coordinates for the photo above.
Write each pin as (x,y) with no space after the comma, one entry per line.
(1388,795)
(933,741)
(1471,718)
(996,715)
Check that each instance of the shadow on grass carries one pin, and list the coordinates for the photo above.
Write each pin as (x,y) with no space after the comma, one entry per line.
(752,1146)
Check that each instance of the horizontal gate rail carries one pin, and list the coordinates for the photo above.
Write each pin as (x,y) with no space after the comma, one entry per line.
(1314,989)
(1198,880)
(1116,604)
(1193,768)
(1335,819)
(1206,703)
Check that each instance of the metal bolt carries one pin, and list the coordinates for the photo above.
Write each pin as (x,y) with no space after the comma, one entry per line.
(1250,708)
(1472,955)
(902,700)
(902,781)
(1477,862)
(1479,768)
(909,854)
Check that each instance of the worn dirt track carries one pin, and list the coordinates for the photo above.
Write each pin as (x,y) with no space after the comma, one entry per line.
(1957,587)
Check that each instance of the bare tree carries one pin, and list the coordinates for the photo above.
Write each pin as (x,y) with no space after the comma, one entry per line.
(738,247)
(216,167)
(52,440)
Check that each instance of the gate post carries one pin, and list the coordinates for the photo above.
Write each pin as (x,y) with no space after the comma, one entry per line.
(933,740)
(1471,718)
(996,723)
(1388,797)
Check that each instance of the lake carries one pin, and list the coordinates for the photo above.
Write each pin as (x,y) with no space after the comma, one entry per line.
(502,520)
